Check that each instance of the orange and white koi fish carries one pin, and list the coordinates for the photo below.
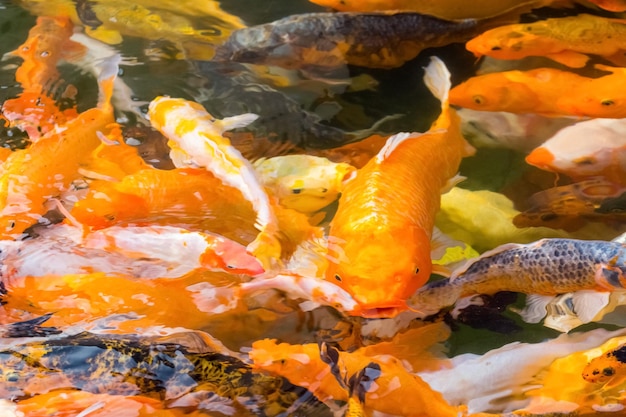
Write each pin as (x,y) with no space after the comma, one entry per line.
(176,245)
(610,365)
(379,239)
(590,148)
(48,43)
(196,140)
(567,40)
(444,9)
(31,176)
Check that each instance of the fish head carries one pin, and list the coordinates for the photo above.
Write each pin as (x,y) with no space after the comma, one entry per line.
(493,92)
(13,226)
(231,257)
(505,43)
(597,102)
(381,271)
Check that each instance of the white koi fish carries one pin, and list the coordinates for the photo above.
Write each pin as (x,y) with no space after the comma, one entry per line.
(195,138)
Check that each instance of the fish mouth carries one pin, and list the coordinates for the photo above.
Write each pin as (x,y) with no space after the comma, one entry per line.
(386,312)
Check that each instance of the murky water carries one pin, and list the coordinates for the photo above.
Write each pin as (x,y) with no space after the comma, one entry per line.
(152,67)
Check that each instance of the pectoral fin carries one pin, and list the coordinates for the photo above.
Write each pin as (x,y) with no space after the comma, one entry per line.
(570,59)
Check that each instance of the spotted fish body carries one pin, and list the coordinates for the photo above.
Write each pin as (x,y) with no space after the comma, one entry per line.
(375,40)
(547,267)
(607,366)
(132,366)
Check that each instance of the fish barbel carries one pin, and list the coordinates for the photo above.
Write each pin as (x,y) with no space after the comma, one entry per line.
(546,267)
(195,138)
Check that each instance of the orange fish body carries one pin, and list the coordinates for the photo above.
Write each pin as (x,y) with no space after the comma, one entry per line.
(537,91)
(566,40)
(379,239)
(42,171)
(396,391)
(610,365)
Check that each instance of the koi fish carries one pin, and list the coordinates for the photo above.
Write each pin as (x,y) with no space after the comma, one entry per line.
(48,43)
(373,40)
(566,40)
(192,28)
(519,374)
(380,251)
(395,391)
(303,182)
(176,245)
(540,90)
(149,367)
(31,176)
(196,140)
(446,9)
(570,207)
(590,148)
(606,367)
(546,267)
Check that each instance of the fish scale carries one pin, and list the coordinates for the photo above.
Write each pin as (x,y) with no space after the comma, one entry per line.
(548,267)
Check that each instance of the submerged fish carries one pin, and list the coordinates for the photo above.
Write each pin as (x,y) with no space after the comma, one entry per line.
(150,367)
(547,267)
(196,140)
(374,40)
(31,176)
(610,365)
(379,238)
(612,5)
(566,40)
(587,149)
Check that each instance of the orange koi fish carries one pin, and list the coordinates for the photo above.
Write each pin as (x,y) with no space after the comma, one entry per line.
(396,391)
(48,43)
(587,149)
(566,40)
(444,9)
(196,140)
(540,91)
(31,176)
(379,239)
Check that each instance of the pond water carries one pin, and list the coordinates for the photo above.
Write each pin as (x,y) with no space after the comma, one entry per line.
(301,112)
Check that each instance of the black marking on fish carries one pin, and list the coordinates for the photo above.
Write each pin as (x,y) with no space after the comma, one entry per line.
(86,14)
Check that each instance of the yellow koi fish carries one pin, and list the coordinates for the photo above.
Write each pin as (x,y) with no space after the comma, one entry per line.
(195,138)
(304,183)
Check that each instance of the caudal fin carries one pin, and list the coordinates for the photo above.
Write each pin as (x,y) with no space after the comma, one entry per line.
(437,79)
(109,69)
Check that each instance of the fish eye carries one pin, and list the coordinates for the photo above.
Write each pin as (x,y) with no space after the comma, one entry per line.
(417,270)
(496,48)
(478,99)
(230,267)
(11,225)
(296,190)
(337,277)
(607,102)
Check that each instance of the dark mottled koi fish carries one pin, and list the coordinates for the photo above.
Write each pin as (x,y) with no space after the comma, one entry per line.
(375,40)
(546,267)
(132,366)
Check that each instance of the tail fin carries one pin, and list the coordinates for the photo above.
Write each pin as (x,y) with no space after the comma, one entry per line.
(109,69)
(437,79)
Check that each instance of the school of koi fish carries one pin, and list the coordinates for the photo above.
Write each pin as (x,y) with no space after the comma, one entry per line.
(326,208)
